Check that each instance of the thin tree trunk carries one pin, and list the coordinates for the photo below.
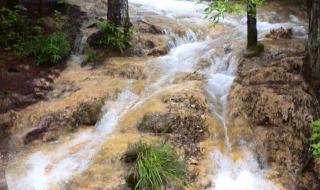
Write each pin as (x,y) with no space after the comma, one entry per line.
(40,11)
(118,13)
(252,25)
(314,39)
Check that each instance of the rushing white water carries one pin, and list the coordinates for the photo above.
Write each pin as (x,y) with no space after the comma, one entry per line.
(54,168)
(172,8)
(243,174)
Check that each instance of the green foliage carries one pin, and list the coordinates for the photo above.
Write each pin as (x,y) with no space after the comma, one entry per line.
(156,167)
(60,1)
(11,22)
(114,36)
(217,8)
(315,138)
(90,55)
(50,49)
(58,21)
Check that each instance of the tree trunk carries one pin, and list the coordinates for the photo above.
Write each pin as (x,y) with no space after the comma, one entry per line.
(11,3)
(118,13)
(252,25)
(314,39)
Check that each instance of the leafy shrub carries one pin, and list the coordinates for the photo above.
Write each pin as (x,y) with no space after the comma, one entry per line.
(156,167)
(50,49)
(114,36)
(315,138)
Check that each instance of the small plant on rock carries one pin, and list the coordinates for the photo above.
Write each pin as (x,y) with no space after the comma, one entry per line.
(114,36)
(156,167)
(90,55)
(315,138)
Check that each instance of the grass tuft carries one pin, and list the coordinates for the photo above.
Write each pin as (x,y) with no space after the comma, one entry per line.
(156,167)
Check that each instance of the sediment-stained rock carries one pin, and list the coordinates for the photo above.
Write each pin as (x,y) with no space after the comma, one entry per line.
(270,92)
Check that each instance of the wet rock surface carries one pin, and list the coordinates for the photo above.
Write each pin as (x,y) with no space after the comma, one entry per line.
(6,121)
(127,71)
(281,33)
(271,93)
(50,126)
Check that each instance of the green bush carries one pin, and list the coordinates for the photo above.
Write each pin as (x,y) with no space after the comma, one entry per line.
(156,167)
(315,138)
(50,49)
(113,36)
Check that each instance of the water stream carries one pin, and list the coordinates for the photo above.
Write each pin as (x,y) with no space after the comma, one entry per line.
(52,168)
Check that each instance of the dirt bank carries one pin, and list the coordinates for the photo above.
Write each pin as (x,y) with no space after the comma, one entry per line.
(272,94)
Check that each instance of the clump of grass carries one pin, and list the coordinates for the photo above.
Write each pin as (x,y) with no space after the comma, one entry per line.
(90,55)
(156,167)
(315,138)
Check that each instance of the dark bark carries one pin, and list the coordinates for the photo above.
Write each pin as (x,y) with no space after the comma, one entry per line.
(11,3)
(314,38)
(252,25)
(118,12)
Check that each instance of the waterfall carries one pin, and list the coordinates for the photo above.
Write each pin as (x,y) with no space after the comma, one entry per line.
(44,170)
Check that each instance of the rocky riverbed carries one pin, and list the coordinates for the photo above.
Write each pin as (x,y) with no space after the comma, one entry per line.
(236,121)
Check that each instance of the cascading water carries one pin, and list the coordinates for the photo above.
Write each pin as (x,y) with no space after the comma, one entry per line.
(50,169)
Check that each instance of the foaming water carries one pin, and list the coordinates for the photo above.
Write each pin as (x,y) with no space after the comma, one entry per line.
(177,40)
(46,170)
(171,8)
(243,174)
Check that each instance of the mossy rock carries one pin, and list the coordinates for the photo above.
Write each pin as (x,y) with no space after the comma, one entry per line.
(88,113)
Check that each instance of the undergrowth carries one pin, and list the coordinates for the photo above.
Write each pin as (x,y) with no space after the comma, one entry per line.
(114,36)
